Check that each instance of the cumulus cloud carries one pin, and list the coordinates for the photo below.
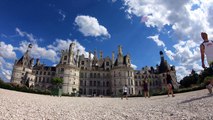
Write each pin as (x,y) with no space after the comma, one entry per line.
(156,39)
(186,21)
(5,69)
(89,26)
(134,66)
(61,44)
(39,52)
(7,51)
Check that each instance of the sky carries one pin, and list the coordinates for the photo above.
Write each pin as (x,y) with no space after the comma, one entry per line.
(142,27)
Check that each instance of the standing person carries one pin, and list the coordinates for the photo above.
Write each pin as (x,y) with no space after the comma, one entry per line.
(125,89)
(145,88)
(169,84)
(206,48)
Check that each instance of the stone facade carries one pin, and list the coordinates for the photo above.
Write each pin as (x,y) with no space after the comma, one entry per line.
(92,75)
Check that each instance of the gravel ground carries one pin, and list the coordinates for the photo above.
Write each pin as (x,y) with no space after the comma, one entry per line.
(196,105)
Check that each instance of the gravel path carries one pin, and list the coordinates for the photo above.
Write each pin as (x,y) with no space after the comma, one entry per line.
(196,105)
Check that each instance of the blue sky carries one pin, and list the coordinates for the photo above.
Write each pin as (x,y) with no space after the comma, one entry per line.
(143,28)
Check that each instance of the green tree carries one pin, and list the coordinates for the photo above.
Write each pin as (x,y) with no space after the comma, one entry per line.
(57,82)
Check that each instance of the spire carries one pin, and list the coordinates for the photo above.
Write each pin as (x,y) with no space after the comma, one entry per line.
(95,55)
(113,57)
(101,55)
(161,56)
(120,50)
(90,55)
(71,53)
(77,57)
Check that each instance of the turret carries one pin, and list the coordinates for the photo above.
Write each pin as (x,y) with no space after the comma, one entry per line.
(120,55)
(71,54)
(113,58)
(120,50)
(90,56)
(77,58)
(37,62)
(161,56)
(101,55)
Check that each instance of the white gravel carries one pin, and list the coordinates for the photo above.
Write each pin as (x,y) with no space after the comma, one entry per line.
(196,105)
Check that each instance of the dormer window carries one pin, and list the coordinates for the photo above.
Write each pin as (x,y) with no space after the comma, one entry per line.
(65,57)
(107,63)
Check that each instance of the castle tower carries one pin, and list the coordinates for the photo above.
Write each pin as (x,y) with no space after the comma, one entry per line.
(71,54)
(22,69)
(113,58)
(68,70)
(161,56)
(77,58)
(95,59)
(120,56)
(101,55)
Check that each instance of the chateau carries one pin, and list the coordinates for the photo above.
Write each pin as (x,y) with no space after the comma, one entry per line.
(92,75)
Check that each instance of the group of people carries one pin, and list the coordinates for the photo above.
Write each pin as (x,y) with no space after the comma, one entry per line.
(145,86)
(206,49)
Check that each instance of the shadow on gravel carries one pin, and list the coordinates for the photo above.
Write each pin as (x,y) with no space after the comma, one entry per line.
(193,99)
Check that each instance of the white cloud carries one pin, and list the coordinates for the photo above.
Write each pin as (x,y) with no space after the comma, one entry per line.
(186,22)
(89,26)
(39,52)
(156,39)
(134,66)
(60,12)
(5,69)
(7,51)
(64,44)
(30,36)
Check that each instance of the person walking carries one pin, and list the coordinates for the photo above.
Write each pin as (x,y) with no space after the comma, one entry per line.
(145,89)
(125,89)
(206,48)
(169,84)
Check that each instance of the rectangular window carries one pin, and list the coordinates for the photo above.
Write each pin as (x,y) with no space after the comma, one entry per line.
(81,75)
(90,83)
(84,91)
(90,75)
(98,75)
(65,57)
(90,91)
(94,75)
(85,75)
(85,83)
(94,83)
(98,83)
(81,83)
(136,83)
(82,62)
(62,70)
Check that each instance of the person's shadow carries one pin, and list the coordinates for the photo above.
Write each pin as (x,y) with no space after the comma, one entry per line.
(193,99)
